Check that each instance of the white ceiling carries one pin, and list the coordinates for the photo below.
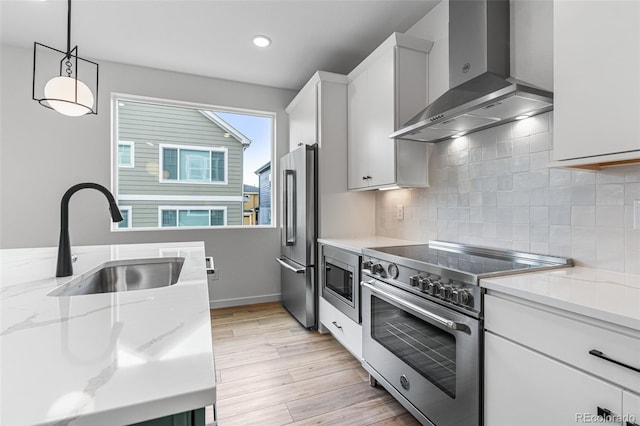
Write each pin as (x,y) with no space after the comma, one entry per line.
(213,37)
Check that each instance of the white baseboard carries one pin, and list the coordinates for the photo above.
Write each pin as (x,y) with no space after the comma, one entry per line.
(225,303)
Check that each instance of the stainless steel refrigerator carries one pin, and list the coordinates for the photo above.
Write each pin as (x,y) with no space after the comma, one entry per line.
(298,227)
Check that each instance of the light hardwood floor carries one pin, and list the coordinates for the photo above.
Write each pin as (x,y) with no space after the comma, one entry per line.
(271,371)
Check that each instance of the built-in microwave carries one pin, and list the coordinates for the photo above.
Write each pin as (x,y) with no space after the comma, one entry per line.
(341,280)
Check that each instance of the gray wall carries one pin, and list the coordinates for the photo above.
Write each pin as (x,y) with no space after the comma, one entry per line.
(42,153)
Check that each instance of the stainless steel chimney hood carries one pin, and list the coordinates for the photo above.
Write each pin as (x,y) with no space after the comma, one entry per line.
(483,94)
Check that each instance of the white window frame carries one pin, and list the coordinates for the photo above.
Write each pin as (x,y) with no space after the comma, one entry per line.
(224,150)
(178,208)
(131,145)
(129,210)
(120,97)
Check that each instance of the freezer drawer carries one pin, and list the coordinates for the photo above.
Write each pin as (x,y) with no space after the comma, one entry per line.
(298,291)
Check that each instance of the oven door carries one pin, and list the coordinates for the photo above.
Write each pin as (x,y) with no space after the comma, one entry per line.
(341,281)
(427,356)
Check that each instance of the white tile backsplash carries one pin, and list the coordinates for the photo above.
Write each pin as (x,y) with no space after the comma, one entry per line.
(495,188)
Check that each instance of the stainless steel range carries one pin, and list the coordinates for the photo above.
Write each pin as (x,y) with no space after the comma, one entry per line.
(422,323)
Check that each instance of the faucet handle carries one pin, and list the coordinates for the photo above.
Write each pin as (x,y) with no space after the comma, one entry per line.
(74,257)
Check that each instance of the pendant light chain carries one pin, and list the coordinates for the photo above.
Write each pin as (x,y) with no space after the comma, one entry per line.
(68,61)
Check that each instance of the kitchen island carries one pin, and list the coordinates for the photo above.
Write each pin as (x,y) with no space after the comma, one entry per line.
(103,359)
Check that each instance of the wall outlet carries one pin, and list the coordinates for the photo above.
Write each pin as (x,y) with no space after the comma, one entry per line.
(400,212)
(636,214)
(213,275)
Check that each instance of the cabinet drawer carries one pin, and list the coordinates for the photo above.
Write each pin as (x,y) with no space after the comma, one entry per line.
(346,331)
(566,338)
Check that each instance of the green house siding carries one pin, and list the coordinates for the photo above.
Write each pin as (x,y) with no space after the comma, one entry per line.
(151,126)
(145,214)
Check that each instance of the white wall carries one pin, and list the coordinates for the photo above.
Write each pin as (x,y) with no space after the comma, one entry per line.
(43,153)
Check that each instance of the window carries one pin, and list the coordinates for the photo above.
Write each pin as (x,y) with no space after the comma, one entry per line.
(194,163)
(125,211)
(191,216)
(125,154)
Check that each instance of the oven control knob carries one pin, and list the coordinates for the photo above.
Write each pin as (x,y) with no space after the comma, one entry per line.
(367,264)
(441,291)
(377,269)
(393,270)
(447,292)
(465,298)
(432,289)
(455,296)
(414,280)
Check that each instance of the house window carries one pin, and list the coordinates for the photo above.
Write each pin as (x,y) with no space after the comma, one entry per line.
(125,154)
(125,211)
(171,217)
(193,165)
(199,160)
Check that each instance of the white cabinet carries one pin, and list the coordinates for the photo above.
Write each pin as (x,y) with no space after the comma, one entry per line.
(596,82)
(387,89)
(345,330)
(525,388)
(538,368)
(318,114)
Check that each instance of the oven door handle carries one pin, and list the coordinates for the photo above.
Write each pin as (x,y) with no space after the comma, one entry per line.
(453,325)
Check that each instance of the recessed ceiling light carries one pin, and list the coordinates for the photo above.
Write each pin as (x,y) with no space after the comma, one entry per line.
(261,41)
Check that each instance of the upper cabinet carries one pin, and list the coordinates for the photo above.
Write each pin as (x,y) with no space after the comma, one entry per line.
(596,82)
(387,89)
(318,114)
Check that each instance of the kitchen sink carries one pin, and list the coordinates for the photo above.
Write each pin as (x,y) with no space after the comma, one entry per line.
(124,275)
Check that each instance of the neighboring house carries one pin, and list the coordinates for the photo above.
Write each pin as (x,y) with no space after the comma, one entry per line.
(251,203)
(178,167)
(264,206)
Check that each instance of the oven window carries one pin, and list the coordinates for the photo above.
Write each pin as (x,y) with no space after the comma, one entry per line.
(425,348)
(339,281)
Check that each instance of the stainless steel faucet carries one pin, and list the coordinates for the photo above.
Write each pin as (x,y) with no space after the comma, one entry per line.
(65,267)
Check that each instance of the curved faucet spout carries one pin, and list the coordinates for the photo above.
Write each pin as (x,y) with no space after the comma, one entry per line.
(65,267)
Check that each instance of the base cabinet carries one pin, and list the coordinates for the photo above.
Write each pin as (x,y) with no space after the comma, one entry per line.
(345,330)
(525,388)
(550,367)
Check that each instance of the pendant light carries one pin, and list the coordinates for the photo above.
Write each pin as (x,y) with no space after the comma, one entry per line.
(62,80)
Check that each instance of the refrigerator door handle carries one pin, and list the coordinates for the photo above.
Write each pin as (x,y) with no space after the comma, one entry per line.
(291,268)
(289,208)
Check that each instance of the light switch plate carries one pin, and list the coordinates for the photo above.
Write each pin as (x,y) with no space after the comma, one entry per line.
(636,214)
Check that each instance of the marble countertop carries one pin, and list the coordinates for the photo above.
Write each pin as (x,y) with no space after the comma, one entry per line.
(604,295)
(357,244)
(102,359)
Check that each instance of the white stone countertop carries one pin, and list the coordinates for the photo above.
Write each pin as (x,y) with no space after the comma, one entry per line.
(102,359)
(604,295)
(357,244)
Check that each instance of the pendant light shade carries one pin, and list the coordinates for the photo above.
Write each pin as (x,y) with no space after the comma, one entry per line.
(74,98)
(62,80)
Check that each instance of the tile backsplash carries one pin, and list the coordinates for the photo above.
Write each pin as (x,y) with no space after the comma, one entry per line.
(496,188)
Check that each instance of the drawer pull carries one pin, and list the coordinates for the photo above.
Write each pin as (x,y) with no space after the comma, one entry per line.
(599,354)
(337,325)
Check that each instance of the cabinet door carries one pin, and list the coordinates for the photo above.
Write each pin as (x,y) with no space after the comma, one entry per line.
(526,388)
(631,409)
(358,113)
(596,78)
(382,119)
(303,120)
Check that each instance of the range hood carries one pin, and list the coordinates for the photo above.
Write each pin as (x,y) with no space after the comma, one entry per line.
(483,94)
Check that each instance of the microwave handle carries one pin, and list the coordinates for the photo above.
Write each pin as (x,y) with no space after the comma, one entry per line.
(453,325)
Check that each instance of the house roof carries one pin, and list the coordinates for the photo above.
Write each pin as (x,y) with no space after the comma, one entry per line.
(263,168)
(228,127)
(250,189)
